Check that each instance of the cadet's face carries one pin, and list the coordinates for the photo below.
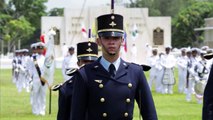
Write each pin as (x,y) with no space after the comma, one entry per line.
(183,53)
(167,50)
(188,54)
(110,45)
(194,53)
(154,52)
(71,52)
(40,51)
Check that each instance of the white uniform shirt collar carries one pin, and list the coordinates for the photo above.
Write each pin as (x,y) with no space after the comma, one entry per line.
(106,63)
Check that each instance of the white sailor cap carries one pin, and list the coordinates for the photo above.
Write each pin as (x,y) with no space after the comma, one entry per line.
(21,51)
(154,49)
(33,46)
(188,50)
(183,49)
(168,46)
(17,51)
(25,50)
(205,48)
(40,45)
(194,49)
(202,52)
(71,47)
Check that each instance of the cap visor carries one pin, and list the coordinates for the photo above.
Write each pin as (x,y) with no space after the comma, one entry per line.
(208,56)
(110,34)
(92,58)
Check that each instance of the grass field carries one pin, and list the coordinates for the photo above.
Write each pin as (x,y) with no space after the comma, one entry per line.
(16,106)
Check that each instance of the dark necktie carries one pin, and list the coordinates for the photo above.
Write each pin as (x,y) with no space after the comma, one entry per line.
(112,70)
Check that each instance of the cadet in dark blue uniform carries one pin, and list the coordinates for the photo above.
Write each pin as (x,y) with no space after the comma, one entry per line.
(208,94)
(106,89)
(87,52)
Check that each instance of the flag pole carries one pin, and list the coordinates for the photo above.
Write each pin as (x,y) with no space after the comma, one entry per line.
(50,100)
(112,6)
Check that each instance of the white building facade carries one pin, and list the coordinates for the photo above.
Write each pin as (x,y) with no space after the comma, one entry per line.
(208,34)
(141,29)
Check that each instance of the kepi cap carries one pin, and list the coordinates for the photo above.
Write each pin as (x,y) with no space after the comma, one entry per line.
(110,25)
(87,51)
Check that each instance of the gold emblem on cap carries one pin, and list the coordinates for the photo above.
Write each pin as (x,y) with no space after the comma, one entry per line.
(89,50)
(112,17)
(98,81)
(112,24)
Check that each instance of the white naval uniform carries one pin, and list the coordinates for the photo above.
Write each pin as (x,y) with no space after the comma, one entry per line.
(25,69)
(159,73)
(168,63)
(38,90)
(191,77)
(15,69)
(153,71)
(202,73)
(28,74)
(182,72)
(69,62)
(20,83)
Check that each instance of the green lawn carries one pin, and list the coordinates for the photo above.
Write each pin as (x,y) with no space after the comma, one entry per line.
(16,106)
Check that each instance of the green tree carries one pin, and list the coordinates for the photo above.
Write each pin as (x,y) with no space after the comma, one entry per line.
(56,12)
(32,10)
(187,20)
(17,29)
(171,7)
(18,14)
(146,4)
(162,7)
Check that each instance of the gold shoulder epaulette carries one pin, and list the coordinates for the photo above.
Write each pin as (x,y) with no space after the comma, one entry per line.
(145,67)
(56,87)
(71,72)
(82,66)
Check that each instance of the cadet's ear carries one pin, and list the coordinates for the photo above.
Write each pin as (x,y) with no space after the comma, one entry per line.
(122,39)
(79,64)
(98,41)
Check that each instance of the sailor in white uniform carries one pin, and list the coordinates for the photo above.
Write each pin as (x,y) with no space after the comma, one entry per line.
(39,87)
(168,63)
(182,70)
(152,60)
(192,62)
(69,62)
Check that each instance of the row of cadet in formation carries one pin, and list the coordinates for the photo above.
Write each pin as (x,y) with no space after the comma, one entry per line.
(26,71)
(119,90)
(193,71)
(93,93)
(192,68)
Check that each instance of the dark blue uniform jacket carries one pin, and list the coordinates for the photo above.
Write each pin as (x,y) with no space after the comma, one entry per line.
(97,96)
(208,98)
(65,100)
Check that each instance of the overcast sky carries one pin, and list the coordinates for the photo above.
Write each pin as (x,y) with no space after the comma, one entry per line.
(77,3)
